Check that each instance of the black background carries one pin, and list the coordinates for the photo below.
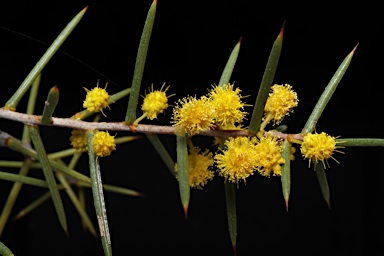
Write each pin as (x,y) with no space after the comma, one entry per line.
(190,44)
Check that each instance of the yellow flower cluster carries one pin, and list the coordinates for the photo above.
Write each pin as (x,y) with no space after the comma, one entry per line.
(103,144)
(239,160)
(222,108)
(270,159)
(193,115)
(280,103)
(228,106)
(244,155)
(79,139)
(199,164)
(155,102)
(96,99)
(318,147)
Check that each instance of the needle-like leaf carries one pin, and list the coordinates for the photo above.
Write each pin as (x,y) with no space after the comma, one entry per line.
(266,83)
(230,198)
(323,182)
(163,153)
(49,177)
(14,100)
(33,205)
(23,179)
(182,171)
(227,72)
(98,197)
(327,94)
(85,181)
(26,164)
(229,187)
(13,195)
(4,250)
(360,142)
(286,172)
(76,202)
(17,145)
(140,64)
(31,106)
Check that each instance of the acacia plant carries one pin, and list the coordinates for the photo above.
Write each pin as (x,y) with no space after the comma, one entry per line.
(240,151)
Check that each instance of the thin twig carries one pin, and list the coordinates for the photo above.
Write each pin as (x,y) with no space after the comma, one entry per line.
(121,126)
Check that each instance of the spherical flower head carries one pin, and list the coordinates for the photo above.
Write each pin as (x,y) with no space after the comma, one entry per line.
(192,115)
(269,157)
(318,147)
(79,140)
(239,160)
(199,164)
(228,106)
(103,144)
(280,102)
(155,102)
(96,99)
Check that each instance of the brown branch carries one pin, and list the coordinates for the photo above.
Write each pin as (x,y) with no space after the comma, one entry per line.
(120,126)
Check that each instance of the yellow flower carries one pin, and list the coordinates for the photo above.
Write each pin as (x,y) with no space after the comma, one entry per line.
(199,165)
(318,147)
(79,139)
(96,99)
(239,160)
(280,102)
(103,144)
(155,102)
(193,115)
(228,106)
(269,157)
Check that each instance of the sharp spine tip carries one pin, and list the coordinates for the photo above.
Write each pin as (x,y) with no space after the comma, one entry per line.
(286,204)
(354,49)
(186,211)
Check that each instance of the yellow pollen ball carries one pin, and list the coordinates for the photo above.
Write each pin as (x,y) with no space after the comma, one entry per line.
(228,106)
(269,157)
(103,144)
(79,139)
(239,160)
(280,102)
(318,146)
(193,115)
(96,99)
(154,103)
(199,165)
